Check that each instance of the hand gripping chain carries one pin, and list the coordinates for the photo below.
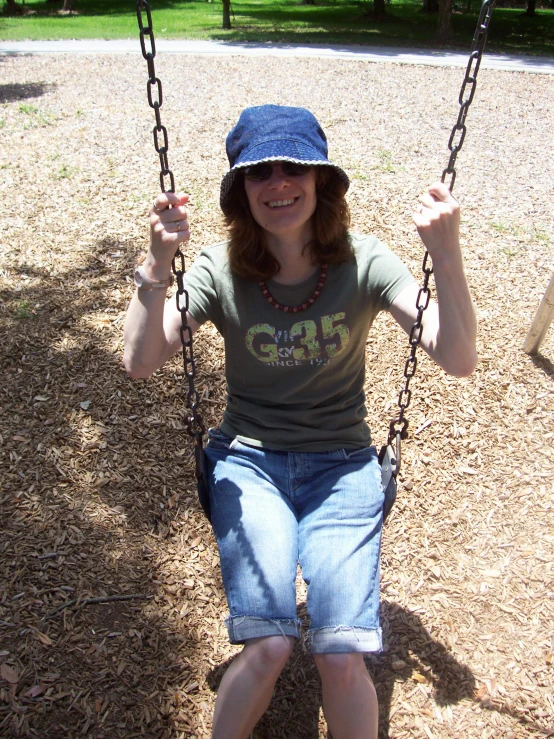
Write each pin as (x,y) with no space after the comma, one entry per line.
(194,422)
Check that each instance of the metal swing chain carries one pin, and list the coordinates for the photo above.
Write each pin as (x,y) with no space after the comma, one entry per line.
(195,424)
(398,428)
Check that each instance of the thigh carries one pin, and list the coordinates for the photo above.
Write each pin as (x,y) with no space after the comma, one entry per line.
(340,541)
(256,531)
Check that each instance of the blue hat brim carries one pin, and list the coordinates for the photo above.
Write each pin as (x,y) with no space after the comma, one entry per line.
(305,155)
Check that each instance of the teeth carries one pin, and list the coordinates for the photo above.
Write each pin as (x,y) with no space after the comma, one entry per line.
(280,203)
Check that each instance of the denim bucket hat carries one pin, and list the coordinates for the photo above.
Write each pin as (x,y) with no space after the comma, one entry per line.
(269,133)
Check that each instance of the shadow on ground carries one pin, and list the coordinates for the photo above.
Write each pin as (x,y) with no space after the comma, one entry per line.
(543,363)
(11,93)
(410,650)
(96,491)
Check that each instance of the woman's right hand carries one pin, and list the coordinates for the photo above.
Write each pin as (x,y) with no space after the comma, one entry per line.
(153,324)
(169,227)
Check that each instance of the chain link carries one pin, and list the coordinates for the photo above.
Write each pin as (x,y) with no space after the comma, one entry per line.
(398,428)
(468,88)
(194,422)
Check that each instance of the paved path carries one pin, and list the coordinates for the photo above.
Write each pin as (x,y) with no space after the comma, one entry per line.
(508,62)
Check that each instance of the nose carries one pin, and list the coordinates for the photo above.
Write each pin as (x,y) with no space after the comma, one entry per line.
(278,178)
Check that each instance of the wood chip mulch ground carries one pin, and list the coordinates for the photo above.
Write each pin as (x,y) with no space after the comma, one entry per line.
(97,493)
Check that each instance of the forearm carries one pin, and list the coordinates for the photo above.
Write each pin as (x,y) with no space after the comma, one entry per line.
(449,328)
(453,344)
(146,343)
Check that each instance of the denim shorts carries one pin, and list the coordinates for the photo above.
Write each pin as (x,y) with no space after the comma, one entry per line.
(272,510)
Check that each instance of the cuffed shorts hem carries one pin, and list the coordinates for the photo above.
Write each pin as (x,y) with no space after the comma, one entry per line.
(241,628)
(341,639)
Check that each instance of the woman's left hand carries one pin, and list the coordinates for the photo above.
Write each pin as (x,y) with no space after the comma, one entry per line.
(438,221)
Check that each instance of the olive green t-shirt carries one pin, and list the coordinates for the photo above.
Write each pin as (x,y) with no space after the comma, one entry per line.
(295,380)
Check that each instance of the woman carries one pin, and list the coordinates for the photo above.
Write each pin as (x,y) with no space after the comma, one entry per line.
(291,470)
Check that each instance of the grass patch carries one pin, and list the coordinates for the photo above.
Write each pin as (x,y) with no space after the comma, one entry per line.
(28,109)
(22,309)
(36,117)
(500,227)
(541,236)
(281,21)
(385,157)
(65,172)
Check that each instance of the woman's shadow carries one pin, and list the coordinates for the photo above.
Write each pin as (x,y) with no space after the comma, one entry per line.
(411,653)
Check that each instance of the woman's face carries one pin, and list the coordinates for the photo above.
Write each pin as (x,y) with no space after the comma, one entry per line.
(283,205)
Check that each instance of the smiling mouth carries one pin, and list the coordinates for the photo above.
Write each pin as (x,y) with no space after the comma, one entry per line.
(281,203)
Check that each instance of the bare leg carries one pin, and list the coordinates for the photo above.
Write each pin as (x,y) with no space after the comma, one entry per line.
(349,698)
(247,686)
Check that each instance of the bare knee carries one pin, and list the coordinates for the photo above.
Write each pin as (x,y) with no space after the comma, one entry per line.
(268,654)
(340,669)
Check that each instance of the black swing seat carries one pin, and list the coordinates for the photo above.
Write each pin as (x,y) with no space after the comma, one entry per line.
(389,470)
(387,460)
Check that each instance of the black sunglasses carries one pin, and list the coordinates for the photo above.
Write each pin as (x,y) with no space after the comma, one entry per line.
(264,170)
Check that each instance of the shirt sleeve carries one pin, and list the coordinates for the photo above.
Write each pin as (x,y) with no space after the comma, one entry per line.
(386,274)
(200,281)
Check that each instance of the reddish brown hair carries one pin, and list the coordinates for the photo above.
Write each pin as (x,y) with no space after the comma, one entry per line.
(249,256)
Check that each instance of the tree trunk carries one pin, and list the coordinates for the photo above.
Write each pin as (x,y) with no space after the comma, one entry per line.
(531,4)
(11,8)
(379,8)
(227,14)
(444,23)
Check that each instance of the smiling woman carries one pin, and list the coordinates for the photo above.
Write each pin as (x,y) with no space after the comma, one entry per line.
(288,179)
(291,474)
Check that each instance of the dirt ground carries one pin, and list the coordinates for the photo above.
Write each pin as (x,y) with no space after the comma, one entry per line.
(97,492)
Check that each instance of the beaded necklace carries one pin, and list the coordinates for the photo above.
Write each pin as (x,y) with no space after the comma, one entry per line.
(303,306)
